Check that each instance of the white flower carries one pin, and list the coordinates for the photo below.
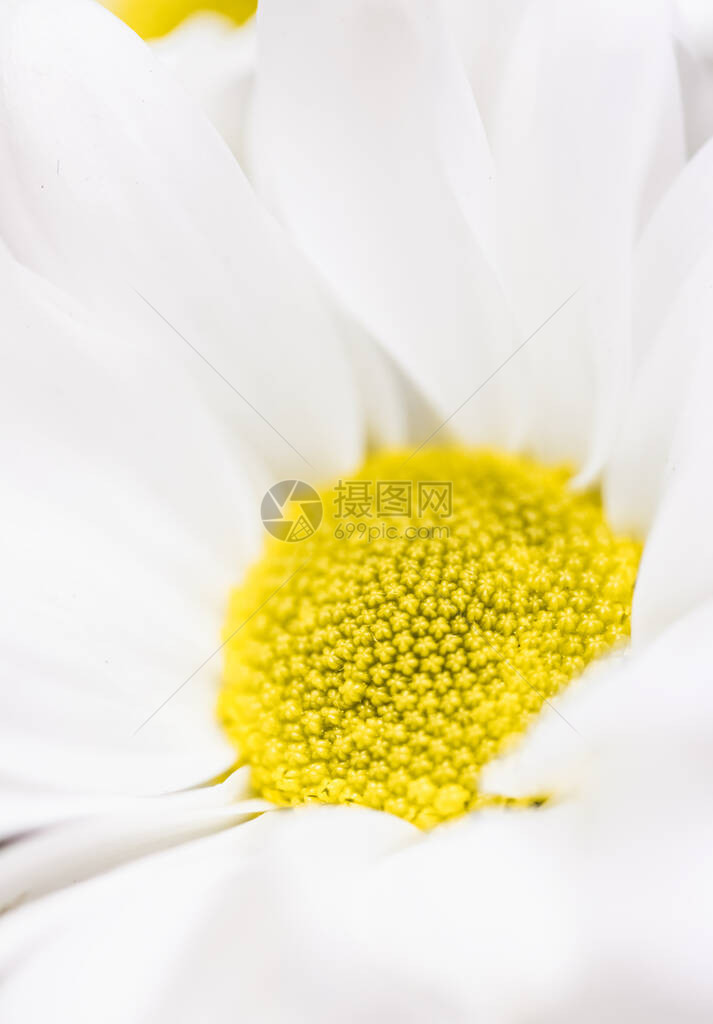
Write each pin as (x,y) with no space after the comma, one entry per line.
(173,349)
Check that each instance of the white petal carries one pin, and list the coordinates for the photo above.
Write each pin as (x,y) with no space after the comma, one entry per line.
(384,390)
(224,911)
(659,471)
(696,76)
(673,311)
(565,914)
(116,184)
(368,144)
(641,464)
(79,849)
(27,808)
(697,18)
(676,571)
(588,134)
(215,62)
(484,31)
(678,236)
(127,517)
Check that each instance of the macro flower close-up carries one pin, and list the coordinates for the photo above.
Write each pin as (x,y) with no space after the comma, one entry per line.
(357,646)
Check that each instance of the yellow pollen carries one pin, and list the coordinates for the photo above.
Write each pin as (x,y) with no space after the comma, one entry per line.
(386,659)
(153,18)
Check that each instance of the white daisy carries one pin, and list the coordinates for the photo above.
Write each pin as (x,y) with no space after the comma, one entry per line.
(507,246)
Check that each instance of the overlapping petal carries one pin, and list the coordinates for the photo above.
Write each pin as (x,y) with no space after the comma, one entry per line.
(588,133)
(484,32)
(368,144)
(676,572)
(52,858)
(215,62)
(342,914)
(127,513)
(117,188)
(657,480)
(697,18)
(216,924)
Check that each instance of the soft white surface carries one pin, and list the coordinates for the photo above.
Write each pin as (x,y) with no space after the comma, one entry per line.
(215,63)
(68,853)
(640,467)
(588,132)
(696,74)
(677,238)
(367,142)
(127,515)
(115,183)
(484,32)
(657,474)
(697,17)
(676,572)
(151,918)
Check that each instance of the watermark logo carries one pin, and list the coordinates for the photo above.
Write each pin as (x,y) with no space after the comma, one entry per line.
(373,510)
(291,510)
(393,499)
(363,510)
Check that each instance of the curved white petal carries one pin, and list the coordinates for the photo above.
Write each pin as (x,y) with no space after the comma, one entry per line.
(697,18)
(588,133)
(27,807)
(641,466)
(696,76)
(383,388)
(78,849)
(676,571)
(484,32)
(215,62)
(127,516)
(568,914)
(678,236)
(228,911)
(342,914)
(116,187)
(672,316)
(367,142)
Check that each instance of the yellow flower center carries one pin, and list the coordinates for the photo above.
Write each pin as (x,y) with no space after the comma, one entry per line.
(444,598)
(153,18)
